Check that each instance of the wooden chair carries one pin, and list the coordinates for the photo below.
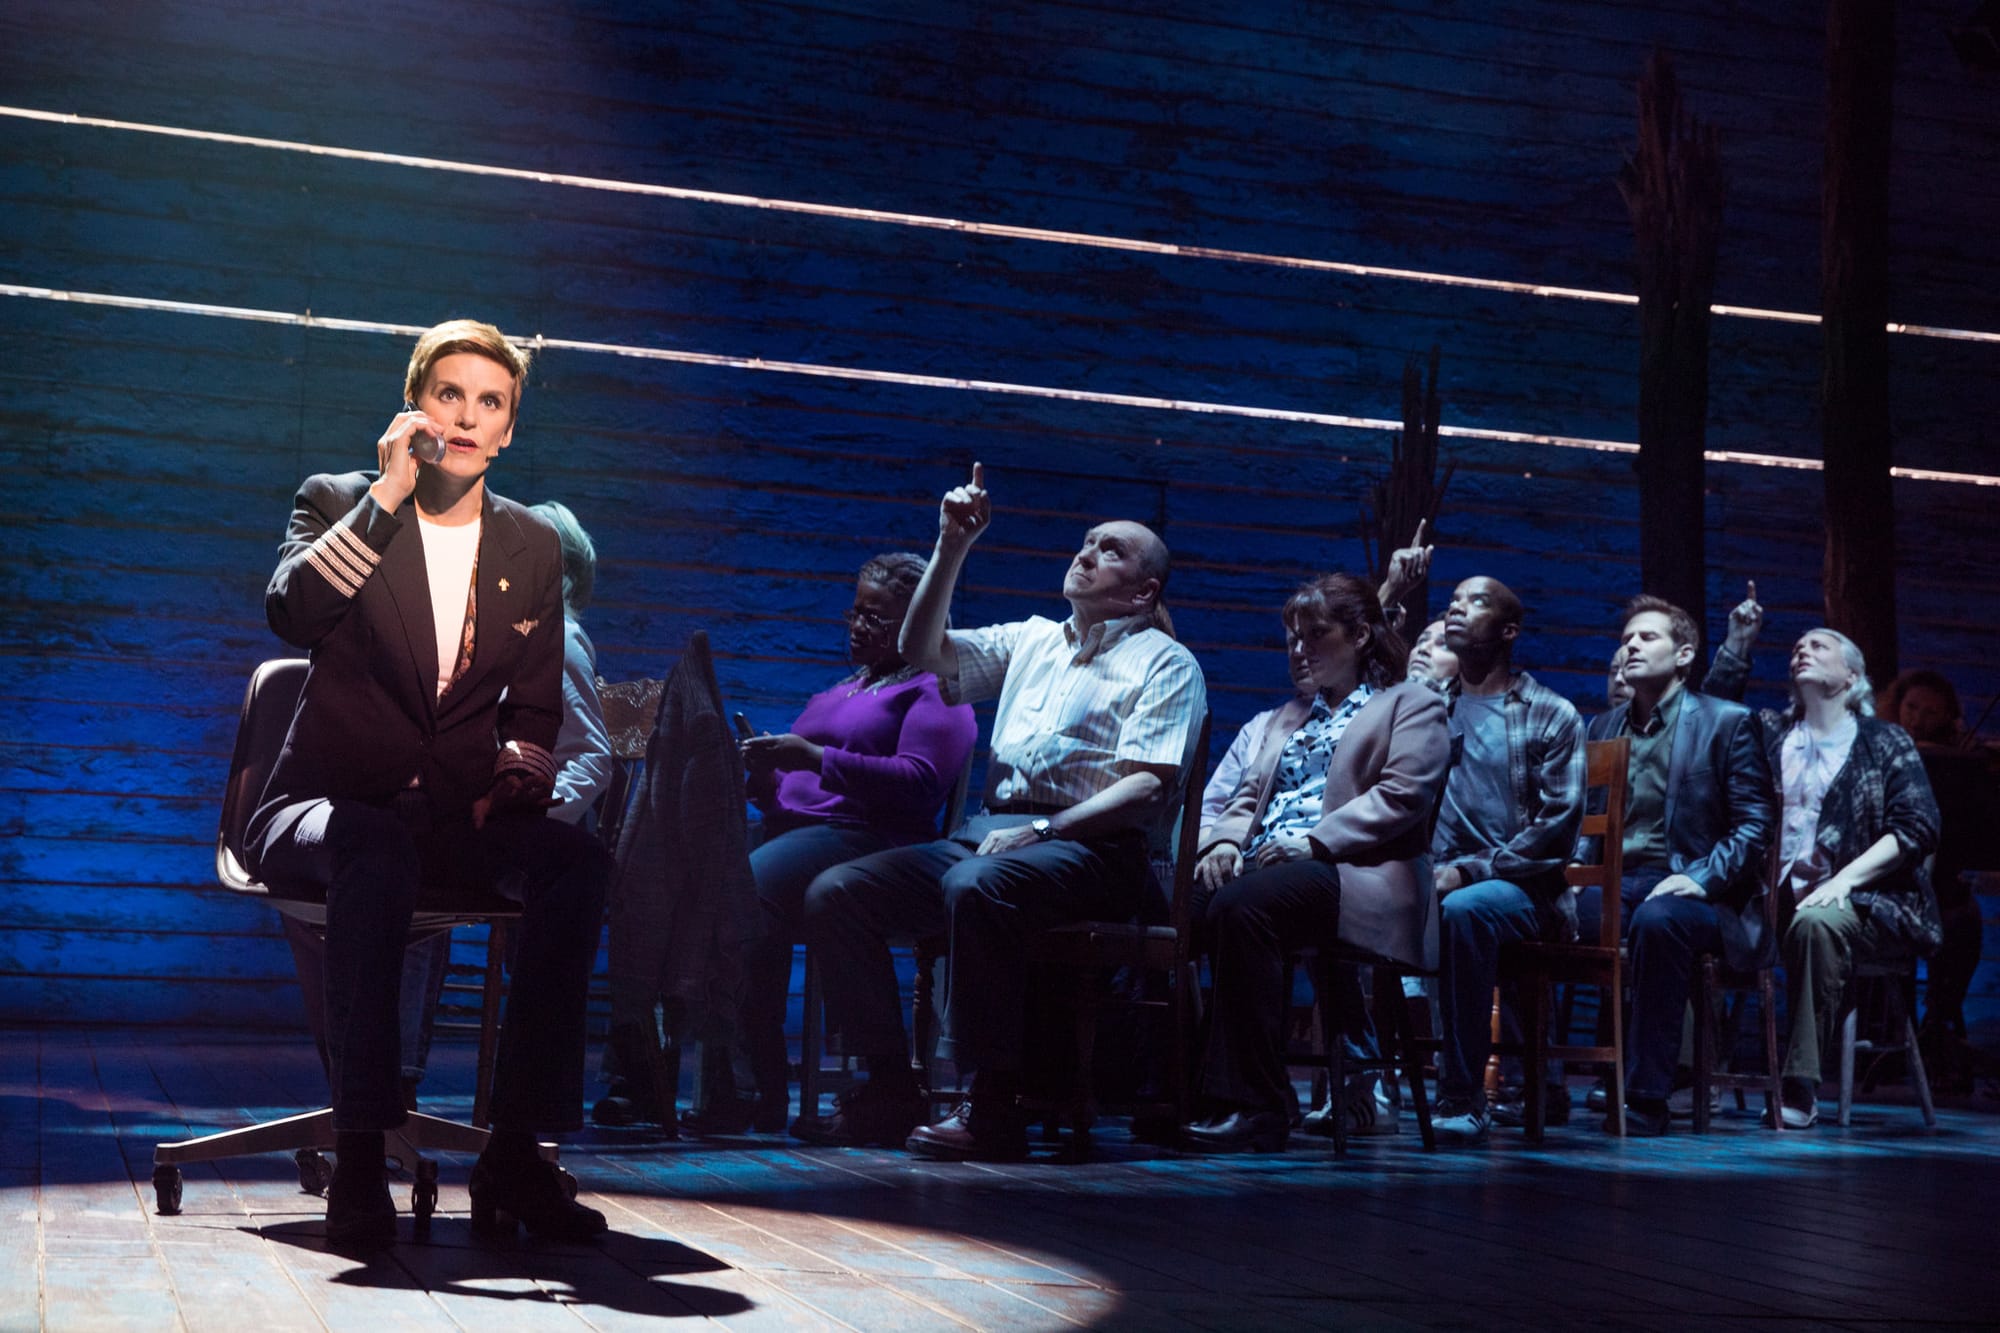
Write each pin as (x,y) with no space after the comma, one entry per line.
(1402,1051)
(1893,982)
(816,1079)
(1396,1034)
(1538,965)
(1713,977)
(268,704)
(631,707)
(1084,952)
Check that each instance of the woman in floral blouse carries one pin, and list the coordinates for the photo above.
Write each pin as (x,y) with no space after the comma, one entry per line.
(1324,840)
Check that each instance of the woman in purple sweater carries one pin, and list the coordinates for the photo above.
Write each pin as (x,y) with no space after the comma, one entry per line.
(865,767)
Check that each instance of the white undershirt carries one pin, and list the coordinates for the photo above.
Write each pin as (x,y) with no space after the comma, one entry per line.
(449,553)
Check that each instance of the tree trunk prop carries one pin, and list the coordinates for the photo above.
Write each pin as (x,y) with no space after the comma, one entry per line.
(1412,491)
(1860,570)
(1673,189)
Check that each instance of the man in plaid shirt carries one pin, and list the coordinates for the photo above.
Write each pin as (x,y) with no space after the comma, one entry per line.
(1506,828)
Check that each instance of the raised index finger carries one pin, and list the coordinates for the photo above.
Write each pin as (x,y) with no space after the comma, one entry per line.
(1752,594)
(979,475)
(1418,540)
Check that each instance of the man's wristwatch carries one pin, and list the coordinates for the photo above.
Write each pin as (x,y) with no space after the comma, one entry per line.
(1044,830)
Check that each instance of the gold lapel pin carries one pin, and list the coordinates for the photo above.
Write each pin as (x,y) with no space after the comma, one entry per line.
(503,585)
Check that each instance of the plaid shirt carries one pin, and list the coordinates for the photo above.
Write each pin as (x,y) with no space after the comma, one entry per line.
(1545,771)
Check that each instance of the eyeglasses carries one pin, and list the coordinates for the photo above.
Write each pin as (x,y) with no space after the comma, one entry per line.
(868,621)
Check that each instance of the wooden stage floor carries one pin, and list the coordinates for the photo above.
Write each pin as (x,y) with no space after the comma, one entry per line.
(1883,1224)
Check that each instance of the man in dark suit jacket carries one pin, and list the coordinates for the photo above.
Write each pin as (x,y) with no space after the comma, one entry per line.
(419,767)
(1697,821)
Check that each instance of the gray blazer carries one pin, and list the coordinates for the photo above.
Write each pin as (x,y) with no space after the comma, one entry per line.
(1380,792)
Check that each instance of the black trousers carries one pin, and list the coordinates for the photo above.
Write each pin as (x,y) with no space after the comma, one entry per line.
(379,864)
(987,908)
(1247,927)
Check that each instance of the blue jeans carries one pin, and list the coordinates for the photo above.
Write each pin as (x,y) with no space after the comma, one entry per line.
(784,865)
(1476,921)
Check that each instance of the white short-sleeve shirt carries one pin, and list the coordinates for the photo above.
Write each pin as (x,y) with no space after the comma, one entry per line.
(1077,713)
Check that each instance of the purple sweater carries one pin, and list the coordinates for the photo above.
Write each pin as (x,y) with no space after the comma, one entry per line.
(891,758)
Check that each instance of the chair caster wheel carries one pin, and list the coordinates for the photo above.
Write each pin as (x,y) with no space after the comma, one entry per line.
(314,1172)
(167,1190)
(423,1198)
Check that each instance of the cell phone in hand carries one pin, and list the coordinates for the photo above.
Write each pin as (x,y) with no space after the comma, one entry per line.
(743,727)
(427,447)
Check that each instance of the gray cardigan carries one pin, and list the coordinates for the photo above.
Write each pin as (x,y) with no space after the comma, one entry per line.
(1380,791)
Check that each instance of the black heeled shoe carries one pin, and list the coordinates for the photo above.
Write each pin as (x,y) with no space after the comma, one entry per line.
(528,1192)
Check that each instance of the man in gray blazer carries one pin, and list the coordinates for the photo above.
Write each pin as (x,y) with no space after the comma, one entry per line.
(1697,821)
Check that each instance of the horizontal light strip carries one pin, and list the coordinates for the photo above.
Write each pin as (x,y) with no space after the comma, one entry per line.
(927,221)
(540,341)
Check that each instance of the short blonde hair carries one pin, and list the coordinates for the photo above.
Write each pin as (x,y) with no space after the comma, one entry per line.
(465,335)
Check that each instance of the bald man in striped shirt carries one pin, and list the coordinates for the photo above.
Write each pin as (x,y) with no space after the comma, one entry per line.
(1095,717)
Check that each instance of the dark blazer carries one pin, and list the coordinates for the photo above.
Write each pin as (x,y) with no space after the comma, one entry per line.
(1882,788)
(352,589)
(1720,817)
(1380,791)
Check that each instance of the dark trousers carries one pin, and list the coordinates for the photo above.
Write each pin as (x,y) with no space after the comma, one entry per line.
(425,962)
(1476,921)
(379,864)
(1666,934)
(987,908)
(784,866)
(1590,903)
(1248,926)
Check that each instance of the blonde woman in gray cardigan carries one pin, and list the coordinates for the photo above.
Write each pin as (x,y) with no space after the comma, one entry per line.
(1858,823)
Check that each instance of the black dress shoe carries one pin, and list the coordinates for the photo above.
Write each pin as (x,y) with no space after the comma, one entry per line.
(360,1215)
(527,1190)
(1643,1120)
(1512,1108)
(865,1115)
(975,1131)
(731,1115)
(625,1103)
(1238,1131)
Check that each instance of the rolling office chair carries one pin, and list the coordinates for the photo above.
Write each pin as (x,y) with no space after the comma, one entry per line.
(268,705)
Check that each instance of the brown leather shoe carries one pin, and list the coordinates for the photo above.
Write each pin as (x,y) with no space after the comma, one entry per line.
(975,1131)
(865,1115)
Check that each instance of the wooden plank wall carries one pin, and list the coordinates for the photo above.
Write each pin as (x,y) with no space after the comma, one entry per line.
(151,456)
